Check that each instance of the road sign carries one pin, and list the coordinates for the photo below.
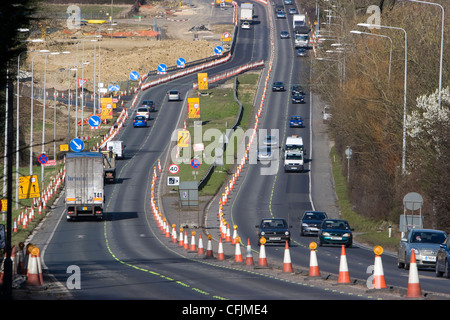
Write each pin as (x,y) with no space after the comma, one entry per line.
(63,147)
(195,163)
(218,50)
(162,68)
(173,181)
(94,121)
(4,203)
(183,138)
(76,145)
(81,82)
(114,87)
(29,187)
(134,75)
(174,168)
(181,62)
(194,108)
(43,158)
(202,81)
(50,163)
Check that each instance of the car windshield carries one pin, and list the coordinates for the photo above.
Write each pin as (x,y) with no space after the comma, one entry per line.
(140,118)
(294,147)
(142,110)
(273,223)
(296,118)
(265,150)
(147,103)
(173,92)
(331,224)
(428,237)
(294,156)
(314,216)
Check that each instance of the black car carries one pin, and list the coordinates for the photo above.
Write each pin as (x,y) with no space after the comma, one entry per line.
(335,231)
(298,98)
(311,222)
(297,89)
(149,104)
(274,230)
(278,86)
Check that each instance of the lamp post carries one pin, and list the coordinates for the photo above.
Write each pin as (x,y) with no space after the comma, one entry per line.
(405,87)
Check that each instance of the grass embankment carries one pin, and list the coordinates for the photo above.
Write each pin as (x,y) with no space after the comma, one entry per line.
(367,231)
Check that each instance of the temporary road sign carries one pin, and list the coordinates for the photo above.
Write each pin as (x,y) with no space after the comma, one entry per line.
(134,75)
(162,68)
(218,50)
(114,87)
(195,163)
(42,158)
(76,145)
(181,62)
(29,187)
(173,181)
(94,121)
(174,168)
(183,138)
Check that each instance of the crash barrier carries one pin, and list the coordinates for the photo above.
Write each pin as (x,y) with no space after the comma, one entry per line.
(112,133)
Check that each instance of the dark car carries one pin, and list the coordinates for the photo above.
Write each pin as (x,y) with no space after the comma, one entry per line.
(149,104)
(297,89)
(302,52)
(140,121)
(298,98)
(442,259)
(284,34)
(296,122)
(424,242)
(335,231)
(311,222)
(278,86)
(274,230)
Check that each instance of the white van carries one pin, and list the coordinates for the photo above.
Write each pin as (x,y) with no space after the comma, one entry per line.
(116,147)
(293,154)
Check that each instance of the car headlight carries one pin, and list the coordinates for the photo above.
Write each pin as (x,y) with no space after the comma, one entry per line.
(416,251)
(286,233)
(326,234)
(263,233)
(346,235)
(304,224)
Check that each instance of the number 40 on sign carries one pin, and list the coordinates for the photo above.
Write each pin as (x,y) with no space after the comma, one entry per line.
(174,168)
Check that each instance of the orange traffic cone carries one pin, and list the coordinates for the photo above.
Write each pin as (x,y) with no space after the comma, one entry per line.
(174,234)
(201,250)
(313,265)
(249,257)
(237,252)
(34,271)
(414,290)
(228,236)
(180,239)
(220,254)
(378,273)
(233,240)
(209,251)
(287,263)
(193,246)
(344,276)
(186,241)
(262,262)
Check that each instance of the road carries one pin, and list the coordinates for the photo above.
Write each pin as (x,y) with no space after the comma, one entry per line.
(126,257)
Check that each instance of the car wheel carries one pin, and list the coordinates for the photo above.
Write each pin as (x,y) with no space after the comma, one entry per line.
(400,265)
(438,273)
(446,273)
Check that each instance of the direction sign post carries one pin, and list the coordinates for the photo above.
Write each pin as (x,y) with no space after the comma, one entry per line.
(76,145)
(134,75)
(94,121)
(162,69)
(181,62)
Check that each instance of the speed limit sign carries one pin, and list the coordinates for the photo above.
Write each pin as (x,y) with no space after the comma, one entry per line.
(174,168)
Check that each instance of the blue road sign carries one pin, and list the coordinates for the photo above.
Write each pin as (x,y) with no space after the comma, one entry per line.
(134,75)
(42,158)
(76,145)
(114,87)
(162,68)
(195,163)
(94,121)
(181,62)
(218,50)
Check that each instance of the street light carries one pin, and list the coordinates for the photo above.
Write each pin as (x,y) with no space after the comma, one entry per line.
(405,87)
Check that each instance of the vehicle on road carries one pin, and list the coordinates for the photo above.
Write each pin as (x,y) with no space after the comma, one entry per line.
(143,111)
(296,122)
(149,104)
(302,52)
(424,242)
(246,12)
(264,153)
(298,98)
(270,141)
(287,2)
(281,14)
(311,221)
(294,154)
(174,95)
(109,165)
(335,231)
(326,115)
(284,34)
(278,86)
(245,25)
(292,10)
(117,147)
(442,259)
(139,121)
(84,185)
(296,88)
(274,230)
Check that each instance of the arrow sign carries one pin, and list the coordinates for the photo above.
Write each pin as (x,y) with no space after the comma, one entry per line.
(181,63)
(76,145)
(218,50)
(162,68)
(134,75)
(114,87)
(94,121)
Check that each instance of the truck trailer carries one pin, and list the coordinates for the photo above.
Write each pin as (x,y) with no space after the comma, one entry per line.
(246,12)
(84,185)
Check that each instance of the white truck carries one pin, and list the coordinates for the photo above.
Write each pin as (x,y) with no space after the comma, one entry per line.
(294,154)
(246,12)
(84,185)
(116,147)
(301,31)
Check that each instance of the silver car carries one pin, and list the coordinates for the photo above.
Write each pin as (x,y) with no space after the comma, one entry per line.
(425,243)
(174,95)
(265,153)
